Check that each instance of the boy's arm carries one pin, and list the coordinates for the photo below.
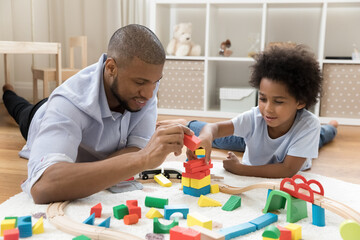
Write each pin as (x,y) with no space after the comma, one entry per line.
(288,168)
(210,132)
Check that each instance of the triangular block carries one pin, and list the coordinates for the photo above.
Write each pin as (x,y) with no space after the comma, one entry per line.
(233,203)
(153,213)
(105,223)
(90,220)
(208,202)
(39,226)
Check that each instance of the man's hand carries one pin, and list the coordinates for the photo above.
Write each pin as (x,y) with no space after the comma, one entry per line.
(166,139)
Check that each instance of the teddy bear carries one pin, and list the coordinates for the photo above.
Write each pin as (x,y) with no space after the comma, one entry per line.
(224,48)
(181,44)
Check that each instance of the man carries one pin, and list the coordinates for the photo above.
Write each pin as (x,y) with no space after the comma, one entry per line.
(94,130)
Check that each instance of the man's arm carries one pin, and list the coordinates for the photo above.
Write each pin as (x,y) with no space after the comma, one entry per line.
(68,181)
(288,168)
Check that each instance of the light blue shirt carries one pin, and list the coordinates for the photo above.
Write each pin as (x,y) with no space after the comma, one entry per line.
(77,125)
(302,140)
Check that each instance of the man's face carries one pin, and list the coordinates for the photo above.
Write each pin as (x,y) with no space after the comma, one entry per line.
(133,85)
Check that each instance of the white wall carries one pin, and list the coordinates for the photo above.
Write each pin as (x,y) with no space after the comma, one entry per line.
(56,21)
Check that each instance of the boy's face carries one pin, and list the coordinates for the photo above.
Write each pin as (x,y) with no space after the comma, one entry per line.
(277,107)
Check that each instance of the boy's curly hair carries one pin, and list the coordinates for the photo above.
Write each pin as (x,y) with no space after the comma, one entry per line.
(294,66)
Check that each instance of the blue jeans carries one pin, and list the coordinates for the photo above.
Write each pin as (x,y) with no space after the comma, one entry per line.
(234,143)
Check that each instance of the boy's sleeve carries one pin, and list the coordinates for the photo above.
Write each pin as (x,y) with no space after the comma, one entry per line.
(244,124)
(306,145)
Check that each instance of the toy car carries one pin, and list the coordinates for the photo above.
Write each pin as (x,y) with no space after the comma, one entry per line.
(168,173)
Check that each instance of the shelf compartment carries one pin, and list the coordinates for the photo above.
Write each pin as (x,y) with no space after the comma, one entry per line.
(167,16)
(240,23)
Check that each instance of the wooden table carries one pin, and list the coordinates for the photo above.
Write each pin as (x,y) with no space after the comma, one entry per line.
(14,47)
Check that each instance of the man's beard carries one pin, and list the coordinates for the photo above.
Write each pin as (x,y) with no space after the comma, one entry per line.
(122,104)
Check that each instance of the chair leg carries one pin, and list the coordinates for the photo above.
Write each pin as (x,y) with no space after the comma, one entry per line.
(35,90)
(46,87)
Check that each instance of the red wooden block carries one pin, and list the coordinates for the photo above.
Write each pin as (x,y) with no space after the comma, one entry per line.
(191,234)
(97,210)
(192,142)
(176,233)
(133,207)
(199,169)
(197,175)
(182,233)
(11,234)
(131,203)
(285,234)
(135,210)
(195,163)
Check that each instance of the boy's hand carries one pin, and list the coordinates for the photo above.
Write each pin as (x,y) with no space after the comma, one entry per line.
(232,162)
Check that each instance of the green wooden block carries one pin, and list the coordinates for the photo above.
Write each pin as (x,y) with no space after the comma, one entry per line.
(81,237)
(271,232)
(156,202)
(120,211)
(350,230)
(161,228)
(233,203)
(296,208)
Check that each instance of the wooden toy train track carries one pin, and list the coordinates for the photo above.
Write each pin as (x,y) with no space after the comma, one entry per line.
(56,215)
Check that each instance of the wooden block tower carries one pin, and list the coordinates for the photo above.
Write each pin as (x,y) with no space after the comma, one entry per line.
(196,178)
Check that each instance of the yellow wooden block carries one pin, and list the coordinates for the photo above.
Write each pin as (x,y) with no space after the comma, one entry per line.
(162,180)
(199,220)
(295,231)
(214,188)
(200,183)
(153,213)
(185,181)
(39,226)
(7,224)
(200,152)
(208,202)
(266,238)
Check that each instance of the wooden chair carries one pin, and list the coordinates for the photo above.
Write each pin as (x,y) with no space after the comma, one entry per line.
(48,74)
(15,47)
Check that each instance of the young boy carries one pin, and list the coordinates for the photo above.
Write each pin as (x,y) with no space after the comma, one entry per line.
(281,135)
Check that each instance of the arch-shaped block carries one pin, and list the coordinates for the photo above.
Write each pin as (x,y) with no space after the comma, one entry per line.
(170,209)
(296,208)
(161,228)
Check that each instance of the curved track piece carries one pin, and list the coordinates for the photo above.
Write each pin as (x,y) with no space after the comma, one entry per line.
(56,216)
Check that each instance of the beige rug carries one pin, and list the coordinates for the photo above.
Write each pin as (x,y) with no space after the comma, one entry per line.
(251,207)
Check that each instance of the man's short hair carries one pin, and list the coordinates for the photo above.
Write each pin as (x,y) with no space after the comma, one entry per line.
(135,41)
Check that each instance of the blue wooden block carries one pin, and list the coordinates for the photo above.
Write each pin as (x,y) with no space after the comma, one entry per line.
(264,220)
(170,209)
(318,216)
(238,230)
(196,192)
(25,226)
(90,220)
(105,223)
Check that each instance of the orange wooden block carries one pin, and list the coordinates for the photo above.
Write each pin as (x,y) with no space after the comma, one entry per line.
(131,219)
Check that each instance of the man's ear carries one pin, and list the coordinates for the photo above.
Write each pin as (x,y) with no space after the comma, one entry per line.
(111,67)
(301,105)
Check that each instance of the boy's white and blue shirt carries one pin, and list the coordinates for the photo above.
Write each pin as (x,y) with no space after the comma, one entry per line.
(302,140)
(77,125)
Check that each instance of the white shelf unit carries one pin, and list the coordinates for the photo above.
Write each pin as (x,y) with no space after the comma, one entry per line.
(329,28)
